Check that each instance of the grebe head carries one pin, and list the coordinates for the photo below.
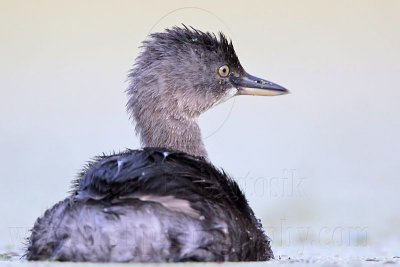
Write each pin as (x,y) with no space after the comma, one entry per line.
(181,73)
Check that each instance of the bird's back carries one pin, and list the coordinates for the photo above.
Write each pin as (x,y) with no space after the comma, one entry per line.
(150,205)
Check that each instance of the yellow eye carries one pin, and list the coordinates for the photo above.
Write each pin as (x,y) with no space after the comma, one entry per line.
(223,71)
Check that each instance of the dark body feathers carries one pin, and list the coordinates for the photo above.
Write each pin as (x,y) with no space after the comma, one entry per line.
(150,205)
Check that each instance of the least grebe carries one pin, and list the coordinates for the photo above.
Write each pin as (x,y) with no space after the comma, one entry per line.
(165,202)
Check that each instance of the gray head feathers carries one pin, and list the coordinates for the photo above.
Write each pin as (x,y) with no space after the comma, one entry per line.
(176,39)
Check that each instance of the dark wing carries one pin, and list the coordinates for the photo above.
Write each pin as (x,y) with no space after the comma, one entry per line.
(151,171)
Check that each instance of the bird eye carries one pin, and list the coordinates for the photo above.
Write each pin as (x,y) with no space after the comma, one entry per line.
(223,71)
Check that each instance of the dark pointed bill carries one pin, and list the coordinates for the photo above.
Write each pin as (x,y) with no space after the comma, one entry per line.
(251,85)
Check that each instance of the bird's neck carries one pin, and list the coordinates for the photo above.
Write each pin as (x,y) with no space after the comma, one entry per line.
(165,115)
(166,131)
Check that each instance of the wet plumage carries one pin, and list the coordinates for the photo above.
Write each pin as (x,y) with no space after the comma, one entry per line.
(165,202)
(120,211)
